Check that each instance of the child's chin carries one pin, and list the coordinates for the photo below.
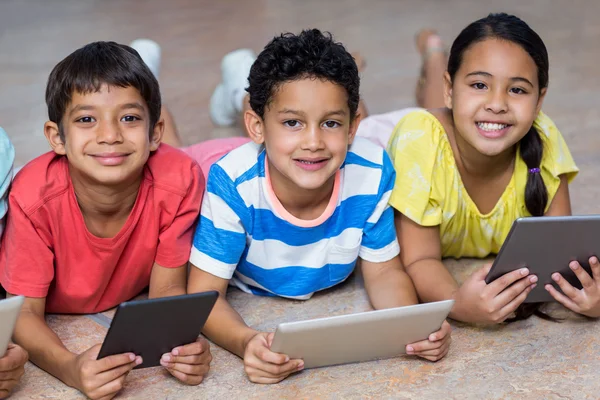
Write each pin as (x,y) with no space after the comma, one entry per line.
(109,178)
(492,149)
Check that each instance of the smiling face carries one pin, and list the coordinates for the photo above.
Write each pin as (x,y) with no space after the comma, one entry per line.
(494,96)
(306,131)
(105,135)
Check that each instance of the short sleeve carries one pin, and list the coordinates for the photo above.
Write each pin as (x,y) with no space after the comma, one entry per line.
(26,257)
(379,242)
(415,148)
(220,237)
(7,158)
(557,159)
(175,241)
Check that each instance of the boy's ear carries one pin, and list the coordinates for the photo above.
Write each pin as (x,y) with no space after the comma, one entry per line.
(354,127)
(157,134)
(55,139)
(447,90)
(255,127)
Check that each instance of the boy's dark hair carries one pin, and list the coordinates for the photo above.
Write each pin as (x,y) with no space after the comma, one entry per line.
(290,57)
(98,63)
(512,29)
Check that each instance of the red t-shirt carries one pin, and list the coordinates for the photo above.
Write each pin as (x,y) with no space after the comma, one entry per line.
(47,250)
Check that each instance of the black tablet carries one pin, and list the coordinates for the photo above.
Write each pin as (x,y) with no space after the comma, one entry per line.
(151,328)
(547,245)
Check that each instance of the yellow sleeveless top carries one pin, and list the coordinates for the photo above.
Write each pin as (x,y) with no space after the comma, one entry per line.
(429,189)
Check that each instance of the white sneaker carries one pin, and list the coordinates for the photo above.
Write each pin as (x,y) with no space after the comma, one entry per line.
(228,98)
(149,50)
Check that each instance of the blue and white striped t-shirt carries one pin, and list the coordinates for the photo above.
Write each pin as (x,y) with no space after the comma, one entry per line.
(7,157)
(241,236)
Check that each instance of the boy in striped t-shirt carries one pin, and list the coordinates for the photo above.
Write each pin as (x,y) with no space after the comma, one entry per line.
(290,213)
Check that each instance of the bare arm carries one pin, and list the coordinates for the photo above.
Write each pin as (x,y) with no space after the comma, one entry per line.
(421,253)
(388,284)
(45,348)
(167,281)
(475,301)
(225,326)
(561,204)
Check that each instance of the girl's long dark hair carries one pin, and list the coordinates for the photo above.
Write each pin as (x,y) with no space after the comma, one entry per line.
(512,29)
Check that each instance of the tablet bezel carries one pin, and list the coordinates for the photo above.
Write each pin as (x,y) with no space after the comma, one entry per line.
(552,242)
(170,317)
(359,337)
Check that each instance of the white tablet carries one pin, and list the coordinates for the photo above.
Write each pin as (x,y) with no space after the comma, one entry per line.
(359,337)
(9,312)
(547,245)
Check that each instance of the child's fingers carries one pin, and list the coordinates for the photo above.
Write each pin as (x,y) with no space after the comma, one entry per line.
(565,286)
(197,347)
(436,354)
(595,266)
(189,369)
(442,349)
(257,376)
(268,356)
(444,331)
(586,280)
(506,280)
(114,361)
(14,358)
(509,308)
(185,378)
(115,373)
(279,369)
(516,290)
(562,299)
(256,368)
(425,345)
(204,358)
(110,389)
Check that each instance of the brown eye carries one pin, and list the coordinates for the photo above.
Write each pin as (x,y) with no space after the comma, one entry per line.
(129,118)
(332,124)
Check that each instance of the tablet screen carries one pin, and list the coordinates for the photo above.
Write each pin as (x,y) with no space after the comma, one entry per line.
(150,328)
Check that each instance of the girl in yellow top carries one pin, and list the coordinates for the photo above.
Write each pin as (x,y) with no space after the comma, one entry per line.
(465,172)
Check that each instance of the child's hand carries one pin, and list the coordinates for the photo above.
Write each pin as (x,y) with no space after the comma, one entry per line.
(104,378)
(435,347)
(189,363)
(584,301)
(264,366)
(12,368)
(477,301)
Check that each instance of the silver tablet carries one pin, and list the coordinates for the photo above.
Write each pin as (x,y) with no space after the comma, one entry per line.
(9,312)
(359,337)
(547,245)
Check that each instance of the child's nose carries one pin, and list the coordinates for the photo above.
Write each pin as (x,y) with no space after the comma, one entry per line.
(108,132)
(497,102)
(314,138)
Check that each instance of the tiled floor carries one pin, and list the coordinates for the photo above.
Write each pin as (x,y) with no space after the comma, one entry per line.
(532,359)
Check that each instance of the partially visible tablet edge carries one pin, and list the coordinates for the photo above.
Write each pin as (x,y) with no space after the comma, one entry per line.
(13,306)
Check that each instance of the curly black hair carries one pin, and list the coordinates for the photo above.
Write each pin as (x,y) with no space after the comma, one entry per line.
(290,57)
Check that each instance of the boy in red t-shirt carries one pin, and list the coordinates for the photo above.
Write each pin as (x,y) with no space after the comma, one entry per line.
(105,214)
